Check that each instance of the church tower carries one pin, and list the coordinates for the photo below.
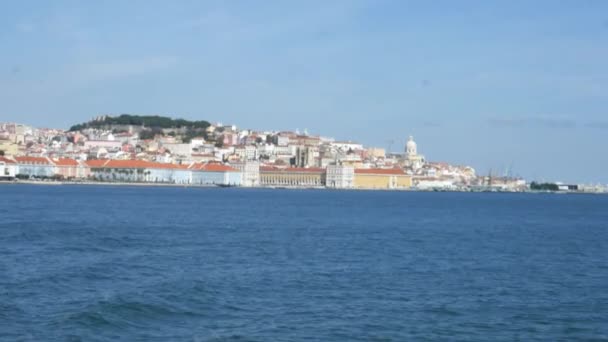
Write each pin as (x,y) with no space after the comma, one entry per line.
(412,158)
(411,149)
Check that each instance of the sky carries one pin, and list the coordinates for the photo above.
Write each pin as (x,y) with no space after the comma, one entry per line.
(517,87)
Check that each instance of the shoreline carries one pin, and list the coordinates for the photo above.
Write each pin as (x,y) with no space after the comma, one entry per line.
(125,184)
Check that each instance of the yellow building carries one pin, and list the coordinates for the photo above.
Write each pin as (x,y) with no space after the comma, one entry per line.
(292,176)
(382,179)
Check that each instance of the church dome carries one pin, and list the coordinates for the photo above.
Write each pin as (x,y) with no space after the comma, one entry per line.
(411,146)
(411,143)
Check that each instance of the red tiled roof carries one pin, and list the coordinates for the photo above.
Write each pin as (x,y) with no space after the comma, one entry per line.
(380,171)
(212,167)
(65,162)
(133,164)
(129,164)
(6,160)
(96,162)
(32,160)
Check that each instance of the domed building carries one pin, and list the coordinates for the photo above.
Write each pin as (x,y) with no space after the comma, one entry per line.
(412,158)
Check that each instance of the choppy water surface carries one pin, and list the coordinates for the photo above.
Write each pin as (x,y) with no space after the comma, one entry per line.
(182,264)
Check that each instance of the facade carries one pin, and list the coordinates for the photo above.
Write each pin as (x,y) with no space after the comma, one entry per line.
(37,167)
(305,156)
(215,174)
(140,171)
(179,149)
(340,176)
(292,177)
(107,144)
(250,170)
(376,152)
(382,179)
(69,168)
(8,168)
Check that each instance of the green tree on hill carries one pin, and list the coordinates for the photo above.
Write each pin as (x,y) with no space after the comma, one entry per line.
(152,121)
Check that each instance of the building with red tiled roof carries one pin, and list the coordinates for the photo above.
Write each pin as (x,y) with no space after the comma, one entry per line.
(36,167)
(215,173)
(33,160)
(8,168)
(70,168)
(153,172)
(7,160)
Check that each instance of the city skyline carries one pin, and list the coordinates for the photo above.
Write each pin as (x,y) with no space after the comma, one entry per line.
(495,86)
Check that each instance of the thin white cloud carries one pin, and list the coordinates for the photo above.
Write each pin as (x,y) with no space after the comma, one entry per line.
(527,122)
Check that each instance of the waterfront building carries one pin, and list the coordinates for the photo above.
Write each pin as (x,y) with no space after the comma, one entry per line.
(140,171)
(382,179)
(215,174)
(292,176)
(69,168)
(8,168)
(250,170)
(432,183)
(340,176)
(151,172)
(38,167)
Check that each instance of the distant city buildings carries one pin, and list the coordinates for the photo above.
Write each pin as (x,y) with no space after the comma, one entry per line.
(218,154)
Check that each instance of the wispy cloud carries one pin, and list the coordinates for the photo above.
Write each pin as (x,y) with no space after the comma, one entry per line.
(539,122)
(597,124)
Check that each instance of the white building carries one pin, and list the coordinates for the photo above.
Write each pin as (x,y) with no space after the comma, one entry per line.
(340,176)
(215,174)
(282,140)
(8,168)
(346,146)
(37,167)
(250,170)
(179,149)
(107,144)
(412,158)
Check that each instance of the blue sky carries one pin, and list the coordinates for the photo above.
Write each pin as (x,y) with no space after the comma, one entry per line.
(492,84)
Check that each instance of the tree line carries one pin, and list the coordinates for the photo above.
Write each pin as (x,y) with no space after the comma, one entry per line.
(544,186)
(152,121)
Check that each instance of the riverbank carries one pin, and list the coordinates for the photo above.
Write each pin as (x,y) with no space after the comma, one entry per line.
(127,184)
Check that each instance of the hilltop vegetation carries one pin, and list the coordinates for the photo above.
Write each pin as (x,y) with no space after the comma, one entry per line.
(150,121)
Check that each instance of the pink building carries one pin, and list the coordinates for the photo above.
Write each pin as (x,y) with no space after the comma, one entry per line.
(66,168)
